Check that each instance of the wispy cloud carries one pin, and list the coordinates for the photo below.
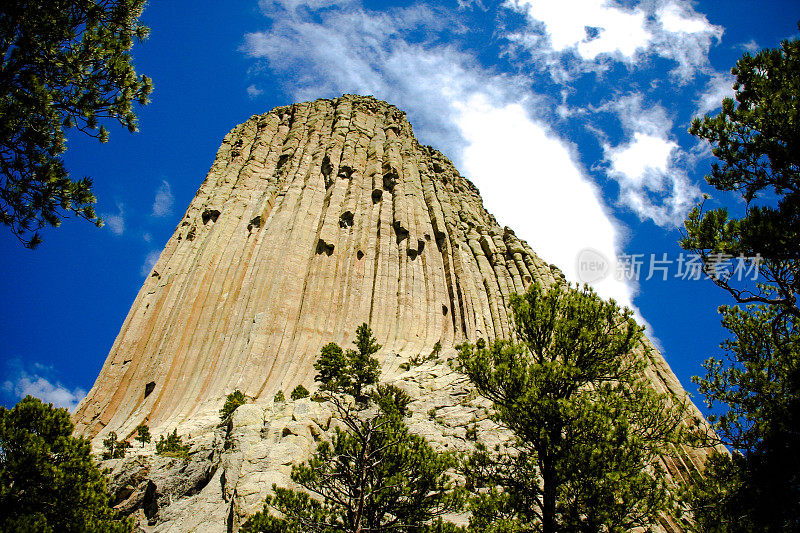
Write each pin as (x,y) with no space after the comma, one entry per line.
(150,261)
(22,383)
(598,31)
(162,204)
(115,222)
(254,92)
(718,87)
(648,166)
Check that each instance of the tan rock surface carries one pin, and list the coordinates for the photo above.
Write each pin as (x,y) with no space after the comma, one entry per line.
(313,219)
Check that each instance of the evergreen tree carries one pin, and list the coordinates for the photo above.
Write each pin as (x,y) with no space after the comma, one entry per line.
(143,434)
(755,386)
(113,448)
(48,481)
(756,139)
(374,475)
(172,446)
(299,392)
(65,64)
(588,428)
(232,402)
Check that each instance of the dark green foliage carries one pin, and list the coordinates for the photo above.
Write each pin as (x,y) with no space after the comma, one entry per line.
(374,475)
(65,64)
(757,390)
(232,401)
(114,449)
(757,142)
(588,428)
(349,372)
(299,392)
(143,434)
(756,386)
(172,446)
(48,481)
(279,397)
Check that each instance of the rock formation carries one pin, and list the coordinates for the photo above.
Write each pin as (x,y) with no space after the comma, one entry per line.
(313,219)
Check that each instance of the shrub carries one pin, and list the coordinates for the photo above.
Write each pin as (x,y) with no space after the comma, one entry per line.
(172,446)
(299,392)
(233,400)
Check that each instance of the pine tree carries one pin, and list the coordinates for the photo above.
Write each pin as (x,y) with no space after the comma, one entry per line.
(172,446)
(232,402)
(756,139)
(588,428)
(65,64)
(754,387)
(143,434)
(113,448)
(299,392)
(374,475)
(48,480)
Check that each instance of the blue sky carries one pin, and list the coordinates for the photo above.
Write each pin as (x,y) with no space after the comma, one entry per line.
(569,115)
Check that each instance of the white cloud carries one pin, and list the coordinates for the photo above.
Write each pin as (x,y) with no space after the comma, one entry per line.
(150,261)
(648,166)
(254,92)
(589,27)
(530,180)
(24,383)
(596,30)
(528,177)
(650,181)
(162,204)
(750,46)
(686,38)
(718,87)
(116,223)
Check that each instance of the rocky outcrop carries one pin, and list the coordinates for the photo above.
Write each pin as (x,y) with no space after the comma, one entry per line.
(313,219)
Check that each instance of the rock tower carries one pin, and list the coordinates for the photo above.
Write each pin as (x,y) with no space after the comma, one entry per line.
(313,219)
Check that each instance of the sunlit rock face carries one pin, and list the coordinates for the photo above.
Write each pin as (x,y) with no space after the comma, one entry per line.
(313,219)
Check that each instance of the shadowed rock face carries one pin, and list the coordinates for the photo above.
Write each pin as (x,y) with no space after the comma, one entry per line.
(313,219)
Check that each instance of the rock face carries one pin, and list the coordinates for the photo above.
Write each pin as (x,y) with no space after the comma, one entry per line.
(313,219)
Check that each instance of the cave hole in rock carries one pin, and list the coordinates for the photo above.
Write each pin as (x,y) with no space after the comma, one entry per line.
(360,255)
(400,231)
(324,248)
(377,194)
(345,172)
(282,161)
(412,253)
(148,388)
(254,223)
(444,310)
(191,234)
(326,167)
(440,240)
(390,180)
(346,219)
(210,215)
(420,245)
